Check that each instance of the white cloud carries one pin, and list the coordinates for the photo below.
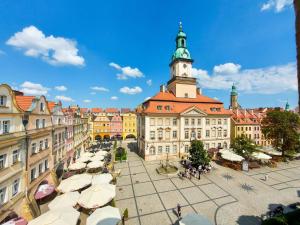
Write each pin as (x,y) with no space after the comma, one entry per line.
(64,98)
(53,50)
(126,71)
(227,68)
(277,5)
(149,82)
(131,91)
(95,88)
(114,98)
(269,80)
(30,88)
(92,93)
(86,101)
(60,88)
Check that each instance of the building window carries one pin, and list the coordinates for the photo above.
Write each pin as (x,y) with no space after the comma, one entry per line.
(160,134)
(193,134)
(186,148)
(207,122)
(238,128)
(46,143)
(40,168)
(174,133)
(15,187)
(160,122)
(174,148)
(42,107)
(219,145)
(167,149)
(186,95)
(159,107)
(44,123)
(186,122)
(225,145)
(199,121)
(167,122)
(213,133)
(152,121)
(15,156)
(33,148)
(2,161)
(219,122)
(213,122)
(219,133)
(41,146)
(199,134)
(37,124)
(174,122)
(193,122)
(207,133)
(167,107)
(225,121)
(152,135)
(46,164)
(225,133)
(167,135)
(207,146)
(3,99)
(152,150)
(159,150)
(186,134)
(3,195)
(6,126)
(32,174)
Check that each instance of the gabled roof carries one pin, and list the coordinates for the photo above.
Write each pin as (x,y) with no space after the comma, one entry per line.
(51,105)
(125,110)
(84,110)
(97,110)
(24,102)
(246,116)
(111,110)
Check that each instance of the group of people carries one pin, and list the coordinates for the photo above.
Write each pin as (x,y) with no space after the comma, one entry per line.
(196,172)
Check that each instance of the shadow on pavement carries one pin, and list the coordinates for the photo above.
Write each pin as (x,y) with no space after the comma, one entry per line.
(249,220)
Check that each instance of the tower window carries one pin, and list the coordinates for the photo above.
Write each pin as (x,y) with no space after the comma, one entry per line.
(184,65)
(182,43)
(186,95)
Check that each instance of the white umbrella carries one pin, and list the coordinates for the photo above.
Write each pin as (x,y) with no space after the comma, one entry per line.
(101,153)
(97,196)
(97,158)
(260,155)
(104,178)
(194,219)
(68,199)
(84,159)
(104,216)
(87,154)
(270,151)
(67,216)
(75,183)
(77,166)
(95,164)
(230,156)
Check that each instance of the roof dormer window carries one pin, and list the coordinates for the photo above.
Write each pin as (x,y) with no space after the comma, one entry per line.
(42,107)
(167,107)
(3,100)
(159,107)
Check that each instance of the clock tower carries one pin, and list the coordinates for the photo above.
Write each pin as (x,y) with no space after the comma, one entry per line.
(182,84)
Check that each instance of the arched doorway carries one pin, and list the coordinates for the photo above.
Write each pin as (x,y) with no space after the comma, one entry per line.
(130,136)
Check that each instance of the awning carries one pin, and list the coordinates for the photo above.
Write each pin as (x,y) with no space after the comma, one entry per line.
(97,196)
(95,164)
(261,156)
(104,216)
(101,153)
(43,191)
(230,156)
(67,216)
(97,158)
(270,151)
(16,221)
(77,166)
(87,154)
(84,159)
(68,199)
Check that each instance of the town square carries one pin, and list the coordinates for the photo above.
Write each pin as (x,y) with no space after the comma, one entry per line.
(150,113)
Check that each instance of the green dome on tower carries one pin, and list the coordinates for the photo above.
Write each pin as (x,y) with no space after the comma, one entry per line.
(287,106)
(233,90)
(181,51)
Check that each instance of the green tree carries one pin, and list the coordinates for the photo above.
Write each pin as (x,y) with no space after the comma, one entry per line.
(198,155)
(243,146)
(281,127)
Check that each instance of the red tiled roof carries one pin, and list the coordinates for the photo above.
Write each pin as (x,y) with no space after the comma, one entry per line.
(24,102)
(111,110)
(96,110)
(51,105)
(125,110)
(84,110)
(246,116)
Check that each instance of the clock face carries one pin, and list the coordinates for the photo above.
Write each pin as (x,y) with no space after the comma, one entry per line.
(184,66)
(184,55)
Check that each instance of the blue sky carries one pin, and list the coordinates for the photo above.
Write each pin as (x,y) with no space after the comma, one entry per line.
(103,54)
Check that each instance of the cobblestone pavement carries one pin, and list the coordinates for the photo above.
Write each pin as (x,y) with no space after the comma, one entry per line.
(225,196)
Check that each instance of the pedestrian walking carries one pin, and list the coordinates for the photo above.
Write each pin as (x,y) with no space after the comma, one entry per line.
(199,173)
(178,211)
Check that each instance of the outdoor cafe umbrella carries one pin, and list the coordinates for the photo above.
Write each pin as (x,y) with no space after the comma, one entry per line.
(68,199)
(230,156)
(43,191)
(97,158)
(97,195)
(77,166)
(87,154)
(101,153)
(84,159)
(75,183)
(104,216)
(194,219)
(67,216)
(261,156)
(104,178)
(95,164)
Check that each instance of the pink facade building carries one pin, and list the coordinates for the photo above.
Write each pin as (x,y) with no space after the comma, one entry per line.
(116,126)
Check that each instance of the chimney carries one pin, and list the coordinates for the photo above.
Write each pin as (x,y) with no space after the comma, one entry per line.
(199,91)
(162,88)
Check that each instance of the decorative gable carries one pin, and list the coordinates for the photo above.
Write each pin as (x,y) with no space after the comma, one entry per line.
(193,111)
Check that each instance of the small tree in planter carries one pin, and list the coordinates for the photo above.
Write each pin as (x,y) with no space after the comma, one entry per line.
(243,146)
(198,155)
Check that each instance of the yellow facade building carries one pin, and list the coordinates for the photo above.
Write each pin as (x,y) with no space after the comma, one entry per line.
(129,124)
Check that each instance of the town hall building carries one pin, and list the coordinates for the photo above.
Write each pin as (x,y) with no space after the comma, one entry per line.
(179,113)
